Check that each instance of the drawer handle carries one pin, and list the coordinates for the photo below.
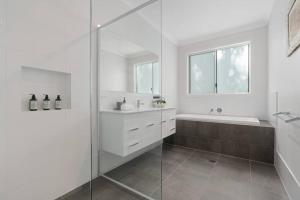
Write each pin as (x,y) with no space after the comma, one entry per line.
(164,121)
(134,129)
(173,119)
(172,129)
(132,145)
(150,125)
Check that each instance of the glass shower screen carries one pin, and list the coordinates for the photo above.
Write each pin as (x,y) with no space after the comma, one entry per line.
(129,135)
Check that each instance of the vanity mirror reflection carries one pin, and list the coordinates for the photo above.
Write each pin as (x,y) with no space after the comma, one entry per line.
(128,66)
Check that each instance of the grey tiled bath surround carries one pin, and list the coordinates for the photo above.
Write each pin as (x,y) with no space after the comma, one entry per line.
(244,141)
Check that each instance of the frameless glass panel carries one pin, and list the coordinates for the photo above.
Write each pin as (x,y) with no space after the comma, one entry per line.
(129,130)
(202,73)
(233,69)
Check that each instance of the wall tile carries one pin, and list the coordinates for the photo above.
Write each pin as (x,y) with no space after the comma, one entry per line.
(235,149)
(250,142)
(262,153)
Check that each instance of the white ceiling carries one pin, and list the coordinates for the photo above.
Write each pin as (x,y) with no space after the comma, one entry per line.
(186,21)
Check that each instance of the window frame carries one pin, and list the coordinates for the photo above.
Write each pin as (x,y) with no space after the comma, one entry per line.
(216,70)
(135,76)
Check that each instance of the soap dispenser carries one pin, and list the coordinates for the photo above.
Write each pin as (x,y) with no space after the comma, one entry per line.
(57,105)
(124,105)
(33,104)
(46,103)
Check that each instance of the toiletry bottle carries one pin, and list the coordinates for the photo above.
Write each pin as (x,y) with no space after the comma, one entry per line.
(57,105)
(33,103)
(124,106)
(46,103)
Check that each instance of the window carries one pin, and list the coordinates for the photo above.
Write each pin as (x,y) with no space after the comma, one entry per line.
(223,70)
(147,78)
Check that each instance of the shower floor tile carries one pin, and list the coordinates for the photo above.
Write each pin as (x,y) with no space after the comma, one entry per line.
(189,174)
(102,189)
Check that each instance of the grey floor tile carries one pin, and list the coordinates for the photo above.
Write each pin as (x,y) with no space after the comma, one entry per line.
(265,179)
(81,194)
(142,182)
(103,189)
(179,193)
(198,154)
(231,178)
(175,155)
(230,188)
(120,172)
(185,182)
(201,163)
(189,175)
(232,169)
(260,193)
(212,194)
(168,169)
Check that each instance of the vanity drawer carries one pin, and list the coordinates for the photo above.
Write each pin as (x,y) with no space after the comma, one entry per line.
(169,114)
(133,146)
(164,128)
(172,131)
(133,133)
(168,122)
(150,118)
(132,124)
(172,123)
(151,134)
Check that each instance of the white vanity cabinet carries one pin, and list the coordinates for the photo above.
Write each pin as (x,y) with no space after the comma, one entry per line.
(125,132)
(168,122)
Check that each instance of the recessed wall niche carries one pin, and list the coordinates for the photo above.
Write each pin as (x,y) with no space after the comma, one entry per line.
(40,81)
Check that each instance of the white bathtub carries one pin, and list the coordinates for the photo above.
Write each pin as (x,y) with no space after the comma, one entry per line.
(219,119)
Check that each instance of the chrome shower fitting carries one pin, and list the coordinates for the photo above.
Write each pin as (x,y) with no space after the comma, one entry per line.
(219,110)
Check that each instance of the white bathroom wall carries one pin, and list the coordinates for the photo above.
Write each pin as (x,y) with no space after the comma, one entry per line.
(169,73)
(47,153)
(113,72)
(284,79)
(2,101)
(253,104)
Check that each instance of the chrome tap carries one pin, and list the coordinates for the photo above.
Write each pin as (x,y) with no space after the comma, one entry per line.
(219,110)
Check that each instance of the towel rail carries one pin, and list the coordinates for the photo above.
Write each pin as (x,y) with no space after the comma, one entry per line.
(281,113)
(292,119)
(288,117)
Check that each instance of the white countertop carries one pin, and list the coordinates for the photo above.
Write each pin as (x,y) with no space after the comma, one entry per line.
(134,110)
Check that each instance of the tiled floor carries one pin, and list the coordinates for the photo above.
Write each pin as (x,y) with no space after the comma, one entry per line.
(193,175)
(101,190)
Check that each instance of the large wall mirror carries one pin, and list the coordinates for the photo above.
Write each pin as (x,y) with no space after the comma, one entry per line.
(127,66)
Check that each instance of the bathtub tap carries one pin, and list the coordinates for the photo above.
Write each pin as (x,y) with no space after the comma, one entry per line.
(219,110)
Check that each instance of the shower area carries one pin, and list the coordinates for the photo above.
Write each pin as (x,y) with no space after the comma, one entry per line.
(129,117)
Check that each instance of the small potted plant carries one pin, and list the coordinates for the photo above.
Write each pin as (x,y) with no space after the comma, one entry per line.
(159,103)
